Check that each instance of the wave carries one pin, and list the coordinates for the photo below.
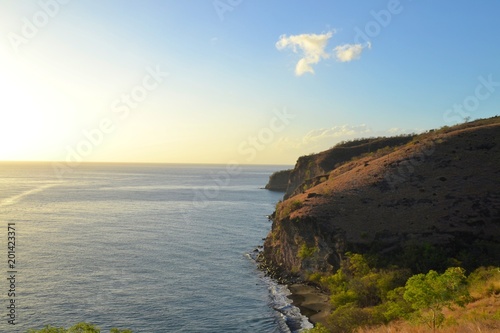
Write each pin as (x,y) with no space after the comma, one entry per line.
(290,320)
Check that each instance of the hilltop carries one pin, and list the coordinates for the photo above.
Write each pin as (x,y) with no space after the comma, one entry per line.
(310,169)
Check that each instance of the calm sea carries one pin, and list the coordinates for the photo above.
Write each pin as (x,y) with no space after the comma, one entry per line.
(152,248)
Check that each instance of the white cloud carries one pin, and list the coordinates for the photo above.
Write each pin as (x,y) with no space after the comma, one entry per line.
(395,130)
(350,52)
(335,132)
(318,140)
(311,45)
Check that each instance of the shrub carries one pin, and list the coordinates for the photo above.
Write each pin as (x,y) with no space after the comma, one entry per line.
(485,281)
(349,317)
(306,251)
(294,205)
(283,209)
(318,328)
(315,277)
(396,306)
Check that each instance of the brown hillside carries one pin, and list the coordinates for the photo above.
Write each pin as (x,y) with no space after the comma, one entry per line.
(432,199)
(309,169)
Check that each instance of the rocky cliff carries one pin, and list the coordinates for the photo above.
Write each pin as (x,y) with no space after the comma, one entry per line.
(434,201)
(278,181)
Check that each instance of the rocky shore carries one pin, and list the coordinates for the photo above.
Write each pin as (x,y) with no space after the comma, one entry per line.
(312,302)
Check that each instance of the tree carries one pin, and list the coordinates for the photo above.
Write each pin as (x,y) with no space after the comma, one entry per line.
(430,293)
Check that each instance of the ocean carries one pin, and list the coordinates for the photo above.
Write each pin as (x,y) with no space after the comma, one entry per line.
(152,248)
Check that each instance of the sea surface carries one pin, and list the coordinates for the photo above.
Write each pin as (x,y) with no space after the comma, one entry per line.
(152,248)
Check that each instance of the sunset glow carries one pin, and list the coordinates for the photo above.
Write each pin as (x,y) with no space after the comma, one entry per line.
(66,67)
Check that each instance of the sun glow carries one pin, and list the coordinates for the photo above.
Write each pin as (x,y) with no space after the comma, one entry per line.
(31,118)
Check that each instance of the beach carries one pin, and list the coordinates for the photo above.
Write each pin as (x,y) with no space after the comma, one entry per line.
(312,302)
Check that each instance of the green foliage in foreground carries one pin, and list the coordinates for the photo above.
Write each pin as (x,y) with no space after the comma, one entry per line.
(364,296)
(78,328)
(431,292)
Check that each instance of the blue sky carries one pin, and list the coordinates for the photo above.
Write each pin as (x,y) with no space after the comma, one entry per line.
(344,69)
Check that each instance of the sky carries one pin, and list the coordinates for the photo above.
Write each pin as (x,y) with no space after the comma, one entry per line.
(236,81)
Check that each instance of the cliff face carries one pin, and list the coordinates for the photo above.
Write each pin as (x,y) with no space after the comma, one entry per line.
(278,181)
(312,168)
(435,198)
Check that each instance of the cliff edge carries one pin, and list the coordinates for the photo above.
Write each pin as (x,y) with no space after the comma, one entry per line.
(278,181)
(424,204)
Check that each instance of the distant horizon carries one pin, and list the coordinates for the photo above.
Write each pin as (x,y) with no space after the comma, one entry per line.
(236,162)
(144,163)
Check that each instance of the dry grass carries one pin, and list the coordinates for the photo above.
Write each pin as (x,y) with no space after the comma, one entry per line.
(481,316)
(490,326)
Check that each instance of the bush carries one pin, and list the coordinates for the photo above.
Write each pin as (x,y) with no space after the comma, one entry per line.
(349,317)
(364,296)
(306,252)
(431,292)
(283,209)
(485,281)
(315,277)
(294,205)
(396,306)
(318,328)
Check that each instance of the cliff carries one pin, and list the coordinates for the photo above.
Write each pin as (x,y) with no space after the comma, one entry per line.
(310,169)
(278,181)
(427,204)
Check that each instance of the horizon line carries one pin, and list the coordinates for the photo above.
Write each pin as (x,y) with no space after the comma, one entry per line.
(143,163)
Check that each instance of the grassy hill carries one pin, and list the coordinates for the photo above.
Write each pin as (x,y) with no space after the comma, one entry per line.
(413,204)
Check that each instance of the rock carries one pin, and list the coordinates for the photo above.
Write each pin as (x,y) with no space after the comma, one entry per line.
(278,181)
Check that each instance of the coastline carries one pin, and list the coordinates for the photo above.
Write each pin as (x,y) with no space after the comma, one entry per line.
(312,302)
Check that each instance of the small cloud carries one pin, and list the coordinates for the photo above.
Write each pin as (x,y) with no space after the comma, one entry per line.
(394,130)
(214,40)
(334,133)
(350,52)
(312,46)
(318,140)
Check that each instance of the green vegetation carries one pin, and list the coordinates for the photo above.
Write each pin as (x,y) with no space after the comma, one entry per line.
(430,293)
(484,281)
(364,296)
(78,328)
(306,251)
(422,257)
(318,328)
(295,204)
(283,209)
